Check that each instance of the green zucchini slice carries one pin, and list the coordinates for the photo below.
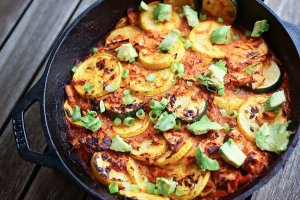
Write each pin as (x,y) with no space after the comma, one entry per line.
(188,107)
(272,75)
(117,108)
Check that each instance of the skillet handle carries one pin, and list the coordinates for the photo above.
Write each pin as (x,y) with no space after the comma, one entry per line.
(48,158)
(294,31)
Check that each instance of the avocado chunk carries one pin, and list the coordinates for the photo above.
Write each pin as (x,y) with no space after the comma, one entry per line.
(204,162)
(165,186)
(275,100)
(231,154)
(191,16)
(168,43)
(220,35)
(126,52)
(259,28)
(118,144)
(273,138)
(203,126)
(166,122)
(162,12)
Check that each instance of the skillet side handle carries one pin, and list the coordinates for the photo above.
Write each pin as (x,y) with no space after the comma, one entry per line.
(294,31)
(49,158)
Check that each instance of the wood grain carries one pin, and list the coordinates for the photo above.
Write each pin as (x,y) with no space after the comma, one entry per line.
(28,46)
(10,13)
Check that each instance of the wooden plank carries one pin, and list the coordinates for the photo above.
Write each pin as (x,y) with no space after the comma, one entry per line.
(28,46)
(10,13)
(285,184)
(53,185)
(287,9)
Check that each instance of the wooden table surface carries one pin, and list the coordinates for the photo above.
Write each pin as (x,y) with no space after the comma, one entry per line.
(28,29)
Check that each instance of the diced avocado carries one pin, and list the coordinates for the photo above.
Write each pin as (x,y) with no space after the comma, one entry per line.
(191,16)
(143,6)
(165,186)
(231,154)
(168,43)
(162,12)
(204,162)
(91,121)
(220,35)
(203,126)
(273,138)
(166,122)
(126,52)
(259,28)
(118,144)
(275,100)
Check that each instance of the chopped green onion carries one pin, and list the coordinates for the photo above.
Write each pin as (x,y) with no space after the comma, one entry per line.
(186,43)
(180,71)
(164,101)
(130,187)
(154,115)
(223,112)
(235,37)
(178,125)
(150,188)
(129,121)
(102,106)
(150,78)
(220,20)
(131,60)
(112,88)
(231,114)
(88,87)
(248,33)
(140,114)
(126,92)
(94,50)
(156,105)
(175,66)
(202,16)
(117,122)
(189,83)
(113,188)
(226,127)
(143,6)
(127,99)
(125,73)
(74,68)
(249,70)
(76,114)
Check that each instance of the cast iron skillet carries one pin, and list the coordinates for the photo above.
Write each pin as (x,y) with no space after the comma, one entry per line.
(92,26)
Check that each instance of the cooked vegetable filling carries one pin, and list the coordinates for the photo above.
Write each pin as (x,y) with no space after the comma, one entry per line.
(176,104)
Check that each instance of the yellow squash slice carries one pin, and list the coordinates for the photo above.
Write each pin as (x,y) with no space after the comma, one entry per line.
(228,102)
(250,116)
(141,195)
(170,157)
(129,131)
(137,173)
(200,38)
(164,79)
(68,113)
(160,60)
(101,165)
(98,71)
(147,150)
(127,33)
(148,23)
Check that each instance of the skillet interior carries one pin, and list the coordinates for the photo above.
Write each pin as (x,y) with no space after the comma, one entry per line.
(93,25)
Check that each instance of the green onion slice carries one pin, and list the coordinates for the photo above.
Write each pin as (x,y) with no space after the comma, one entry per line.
(113,188)
(150,78)
(112,88)
(117,122)
(141,114)
(154,115)
(129,121)
(102,106)
(125,73)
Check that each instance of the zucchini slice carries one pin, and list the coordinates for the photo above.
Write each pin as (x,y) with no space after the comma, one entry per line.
(200,38)
(98,71)
(148,23)
(137,173)
(272,75)
(129,34)
(226,9)
(147,150)
(129,131)
(160,60)
(141,195)
(188,107)
(250,116)
(115,107)
(102,168)
(68,114)
(170,157)
(164,79)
